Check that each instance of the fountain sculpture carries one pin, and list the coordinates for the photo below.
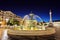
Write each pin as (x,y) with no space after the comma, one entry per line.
(30,22)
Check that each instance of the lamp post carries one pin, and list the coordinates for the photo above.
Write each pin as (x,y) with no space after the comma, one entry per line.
(7,19)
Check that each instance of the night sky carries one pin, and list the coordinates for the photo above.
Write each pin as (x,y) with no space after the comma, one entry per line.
(38,7)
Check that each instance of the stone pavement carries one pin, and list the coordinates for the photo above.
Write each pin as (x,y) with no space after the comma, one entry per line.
(1,32)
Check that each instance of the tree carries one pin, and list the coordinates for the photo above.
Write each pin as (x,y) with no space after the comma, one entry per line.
(13,22)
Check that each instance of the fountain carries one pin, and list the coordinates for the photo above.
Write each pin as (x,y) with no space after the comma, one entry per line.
(31,30)
(30,22)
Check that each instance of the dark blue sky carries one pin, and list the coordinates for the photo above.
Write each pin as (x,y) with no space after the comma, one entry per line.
(38,7)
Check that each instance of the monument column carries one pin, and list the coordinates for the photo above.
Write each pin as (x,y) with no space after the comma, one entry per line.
(50,22)
(50,16)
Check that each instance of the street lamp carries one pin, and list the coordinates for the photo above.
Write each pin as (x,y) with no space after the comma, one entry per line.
(7,19)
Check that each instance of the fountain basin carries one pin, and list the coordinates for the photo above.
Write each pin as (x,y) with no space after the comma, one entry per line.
(32,34)
(48,31)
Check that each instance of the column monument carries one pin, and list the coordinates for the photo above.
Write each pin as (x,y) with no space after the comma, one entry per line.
(50,23)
